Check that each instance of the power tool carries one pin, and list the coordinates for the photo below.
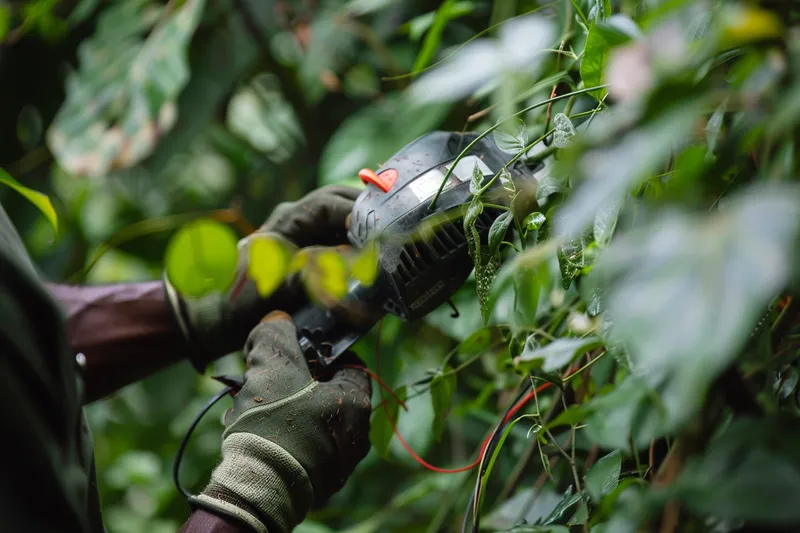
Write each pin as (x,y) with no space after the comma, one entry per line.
(423,255)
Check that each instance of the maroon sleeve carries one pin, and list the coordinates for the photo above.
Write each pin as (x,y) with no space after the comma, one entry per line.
(202,521)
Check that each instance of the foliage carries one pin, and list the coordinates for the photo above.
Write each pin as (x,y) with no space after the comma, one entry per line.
(643,306)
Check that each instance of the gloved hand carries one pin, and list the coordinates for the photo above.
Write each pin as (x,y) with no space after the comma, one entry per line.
(218,324)
(290,442)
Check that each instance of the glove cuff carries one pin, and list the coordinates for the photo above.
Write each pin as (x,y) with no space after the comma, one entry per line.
(199,321)
(259,483)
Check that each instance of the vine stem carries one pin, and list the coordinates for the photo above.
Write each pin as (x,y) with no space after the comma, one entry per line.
(497,125)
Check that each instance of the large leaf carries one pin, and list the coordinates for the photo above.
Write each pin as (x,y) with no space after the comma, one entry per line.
(556,354)
(201,258)
(442,388)
(41,201)
(595,55)
(117,108)
(371,135)
(750,472)
(610,170)
(683,295)
(603,477)
(384,420)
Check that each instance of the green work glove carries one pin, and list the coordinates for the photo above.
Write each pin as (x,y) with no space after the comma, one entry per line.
(290,441)
(218,324)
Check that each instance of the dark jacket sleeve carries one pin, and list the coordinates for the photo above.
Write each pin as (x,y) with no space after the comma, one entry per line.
(202,521)
(47,482)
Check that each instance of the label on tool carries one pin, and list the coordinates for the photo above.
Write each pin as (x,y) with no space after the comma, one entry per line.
(427,184)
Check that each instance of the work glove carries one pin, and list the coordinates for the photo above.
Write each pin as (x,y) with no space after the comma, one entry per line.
(218,324)
(290,441)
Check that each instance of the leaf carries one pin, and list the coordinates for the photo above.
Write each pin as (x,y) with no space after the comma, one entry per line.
(564,131)
(364,266)
(751,472)
(568,501)
(483,340)
(556,354)
(5,20)
(507,182)
(268,262)
(742,24)
(603,477)
(611,170)
(571,260)
(498,230)
(115,110)
(41,201)
(512,136)
(434,36)
(530,282)
(618,29)
(547,187)
(606,222)
(477,179)
(600,10)
(442,388)
(486,266)
(572,416)
(373,134)
(324,272)
(683,294)
(593,64)
(714,125)
(201,258)
(534,221)
(383,422)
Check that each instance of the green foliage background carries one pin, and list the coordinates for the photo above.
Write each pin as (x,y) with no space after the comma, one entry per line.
(656,259)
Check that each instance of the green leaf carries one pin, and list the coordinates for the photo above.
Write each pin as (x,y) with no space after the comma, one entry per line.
(593,63)
(477,180)
(547,187)
(572,416)
(434,36)
(610,171)
(116,109)
(482,341)
(5,20)
(568,501)
(556,354)
(41,201)
(201,258)
(498,230)
(325,273)
(751,472)
(571,260)
(603,477)
(618,29)
(683,294)
(268,262)
(606,222)
(383,422)
(530,282)
(442,388)
(534,221)
(599,10)
(373,134)
(564,131)
(512,136)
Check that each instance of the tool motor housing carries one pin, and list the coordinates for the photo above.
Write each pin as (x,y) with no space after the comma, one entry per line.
(423,255)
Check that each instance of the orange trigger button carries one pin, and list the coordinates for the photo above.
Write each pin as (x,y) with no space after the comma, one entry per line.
(384,181)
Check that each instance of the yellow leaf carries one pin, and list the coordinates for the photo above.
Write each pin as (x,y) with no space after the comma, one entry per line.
(365,265)
(35,197)
(745,24)
(333,272)
(268,263)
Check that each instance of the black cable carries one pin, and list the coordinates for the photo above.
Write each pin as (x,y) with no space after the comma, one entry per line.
(179,454)
(490,447)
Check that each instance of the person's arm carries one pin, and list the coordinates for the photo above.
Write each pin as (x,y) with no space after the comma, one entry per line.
(125,331)
(201,521)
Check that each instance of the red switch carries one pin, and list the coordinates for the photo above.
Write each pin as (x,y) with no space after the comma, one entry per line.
(385,180)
